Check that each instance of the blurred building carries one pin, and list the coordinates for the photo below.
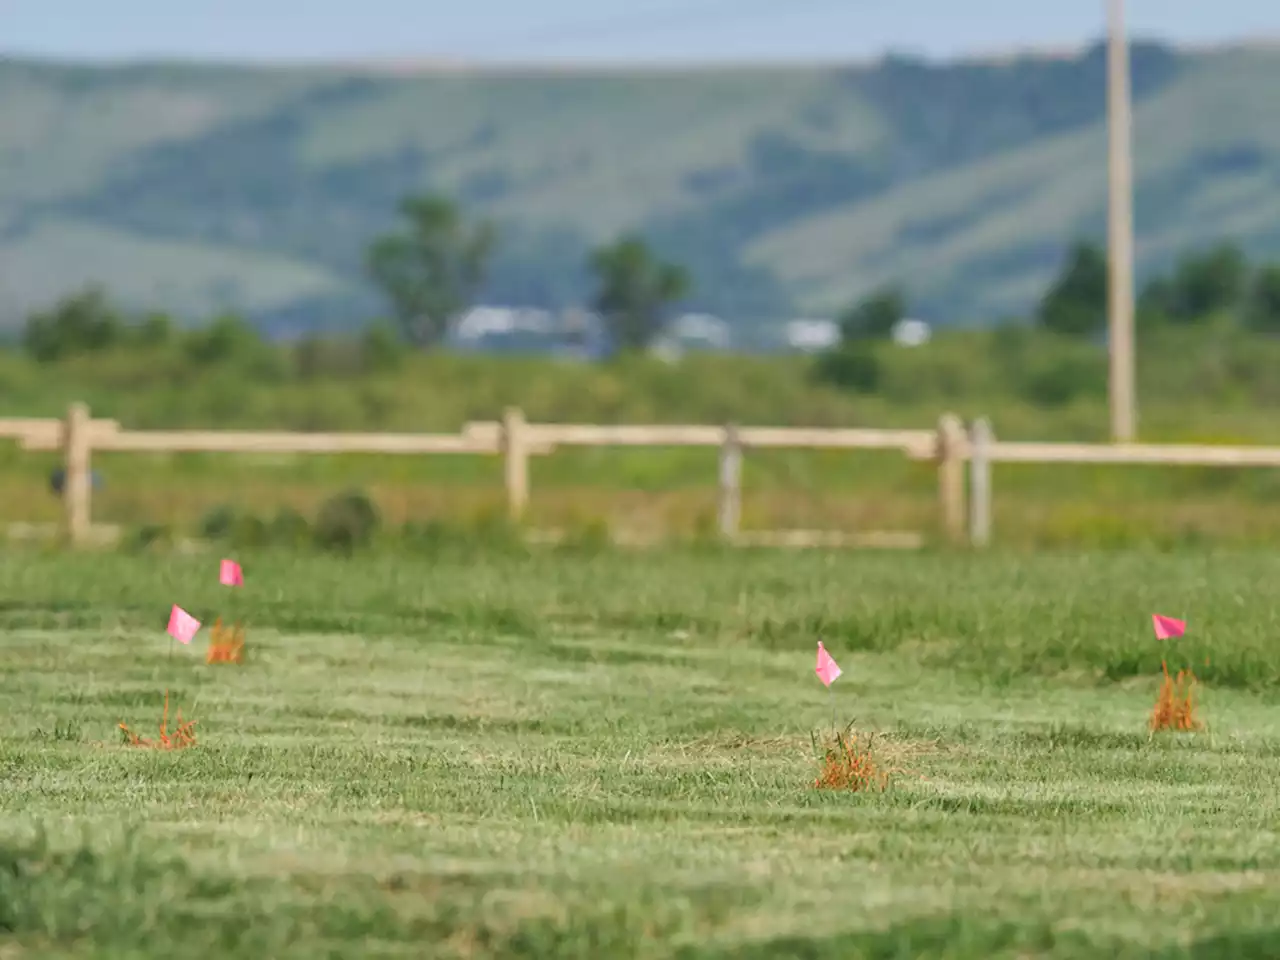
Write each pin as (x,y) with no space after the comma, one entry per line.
(812,336)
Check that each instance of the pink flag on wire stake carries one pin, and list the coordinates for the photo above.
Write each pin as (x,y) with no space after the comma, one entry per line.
(182,626)
(827,669)
(230,574)
(1168,627)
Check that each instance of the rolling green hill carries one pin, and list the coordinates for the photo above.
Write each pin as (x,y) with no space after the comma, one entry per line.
(200,188)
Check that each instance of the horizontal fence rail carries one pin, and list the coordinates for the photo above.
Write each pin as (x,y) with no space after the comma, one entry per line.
(1135,454)
(318,443)
(950,446)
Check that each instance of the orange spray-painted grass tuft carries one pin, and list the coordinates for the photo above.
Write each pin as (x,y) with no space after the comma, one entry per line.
(181,738)
(1175,707)
(848,761)
(226,644)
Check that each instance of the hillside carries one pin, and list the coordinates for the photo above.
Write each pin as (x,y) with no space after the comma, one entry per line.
(200,188)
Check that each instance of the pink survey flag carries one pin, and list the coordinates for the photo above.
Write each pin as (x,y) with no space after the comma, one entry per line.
(182,625)
(1168,627)
(827,669)
(230,574)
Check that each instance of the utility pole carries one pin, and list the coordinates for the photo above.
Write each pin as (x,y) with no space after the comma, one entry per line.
(1120,229)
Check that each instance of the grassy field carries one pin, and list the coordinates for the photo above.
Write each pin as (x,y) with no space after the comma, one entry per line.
(608,756)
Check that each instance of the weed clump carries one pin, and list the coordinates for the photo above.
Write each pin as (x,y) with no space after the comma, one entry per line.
(181,738)
(347,522)
(1175,707)
(226,644)
(850,761)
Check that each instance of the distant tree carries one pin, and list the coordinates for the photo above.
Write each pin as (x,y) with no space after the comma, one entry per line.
(1262,310)
(431,271)
(311,358)
(379,347)
(1201,285)
(873,317)
(84,322)
(1076,303)
(1156,301)
(225,339)
(154,330)
(854,366)
(636,289)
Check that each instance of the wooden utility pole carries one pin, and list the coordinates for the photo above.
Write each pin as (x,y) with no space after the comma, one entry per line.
(1120,229)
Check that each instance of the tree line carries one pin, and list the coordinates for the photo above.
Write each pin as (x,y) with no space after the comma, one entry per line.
(1202,285)
(1218,282)
(431,268)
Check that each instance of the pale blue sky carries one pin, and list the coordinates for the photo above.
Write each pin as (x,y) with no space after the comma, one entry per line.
(599,30)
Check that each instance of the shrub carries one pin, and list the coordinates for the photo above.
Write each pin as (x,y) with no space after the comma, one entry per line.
(874,317)
(1057,381)
(380,348)
(84,322)
(154,330)
(289,528)
(347,522)
(1075,305)
(226,524)
(232,343)
(149,536)
(249,531)
(218,522)
(433,536)
(853,366)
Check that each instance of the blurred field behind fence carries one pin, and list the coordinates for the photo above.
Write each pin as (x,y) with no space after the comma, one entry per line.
(792,486)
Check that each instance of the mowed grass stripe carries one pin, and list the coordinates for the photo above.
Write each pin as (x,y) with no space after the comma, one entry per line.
(627,773)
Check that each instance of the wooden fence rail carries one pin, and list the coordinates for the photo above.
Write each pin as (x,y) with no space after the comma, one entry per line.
(950,446)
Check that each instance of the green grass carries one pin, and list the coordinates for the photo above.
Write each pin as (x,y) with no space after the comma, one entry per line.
(1207,384)
(571,756)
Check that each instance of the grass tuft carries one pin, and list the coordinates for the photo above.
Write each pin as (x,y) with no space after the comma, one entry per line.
(226,644)
(181,738)
(1175,707)
(851,761)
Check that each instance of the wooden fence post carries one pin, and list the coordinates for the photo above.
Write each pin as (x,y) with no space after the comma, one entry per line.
(980,440)
(76,485)
(951,476)
(515,452)
(730,505)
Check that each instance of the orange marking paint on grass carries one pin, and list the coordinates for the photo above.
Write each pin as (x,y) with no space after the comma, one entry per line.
(225,645)
(181,738)
(1175,707)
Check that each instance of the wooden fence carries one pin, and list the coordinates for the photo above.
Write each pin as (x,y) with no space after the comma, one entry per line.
(950,446)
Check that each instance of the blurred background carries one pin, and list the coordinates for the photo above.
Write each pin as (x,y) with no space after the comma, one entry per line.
(402,215)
